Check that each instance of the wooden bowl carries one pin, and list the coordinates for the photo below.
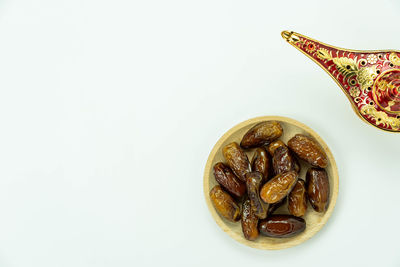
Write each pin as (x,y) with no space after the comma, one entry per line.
(315,221)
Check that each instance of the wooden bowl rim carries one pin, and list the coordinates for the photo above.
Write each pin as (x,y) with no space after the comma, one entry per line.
(292,241)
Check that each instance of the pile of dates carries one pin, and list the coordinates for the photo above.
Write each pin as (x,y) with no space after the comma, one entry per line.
(269,181)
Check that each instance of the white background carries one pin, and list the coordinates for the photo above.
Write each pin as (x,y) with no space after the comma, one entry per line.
(108,111)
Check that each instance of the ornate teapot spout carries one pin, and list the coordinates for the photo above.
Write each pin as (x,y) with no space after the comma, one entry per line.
(370,79)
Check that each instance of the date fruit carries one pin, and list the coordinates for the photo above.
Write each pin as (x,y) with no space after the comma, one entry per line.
(237,160)
(224,204)
(262,133)
(253,183)
(318,188)
(249,221)
(228,180)
(282,226)
(274,145)
(297,204)
(278,187)
(283,160)
(309,150)
(260,162)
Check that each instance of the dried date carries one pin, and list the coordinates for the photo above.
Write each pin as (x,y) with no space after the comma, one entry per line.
(249,221)
(224,204)
(261,162)
(274,145)
(262,133)
(253,183)
(237,160)
(283,160)
(318,188)
(278,187)
(282,226)
(297,203)
(228,180)
(309,150)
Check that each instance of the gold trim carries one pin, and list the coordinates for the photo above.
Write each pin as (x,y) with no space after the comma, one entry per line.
(288,35)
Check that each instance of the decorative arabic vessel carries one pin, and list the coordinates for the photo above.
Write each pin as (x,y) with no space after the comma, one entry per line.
(370,79)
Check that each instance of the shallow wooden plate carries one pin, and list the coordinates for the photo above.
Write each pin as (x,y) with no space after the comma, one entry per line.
(315,221)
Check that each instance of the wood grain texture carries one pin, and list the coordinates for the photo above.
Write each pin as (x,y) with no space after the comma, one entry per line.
(315,221)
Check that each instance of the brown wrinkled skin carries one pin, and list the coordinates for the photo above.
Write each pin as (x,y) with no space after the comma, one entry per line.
(228,180)
(318,188)
(237,160)
(224,204)
(274,145)
(309,150)
(297,204)
(249,222)
(253,183)
(273,207)
(283,160)
(278,187)
(260,162)
(282,226)
(262,133)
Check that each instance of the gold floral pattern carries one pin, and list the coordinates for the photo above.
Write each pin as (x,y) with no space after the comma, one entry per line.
(354,91)
(394,59)
(348,67)
(381,117)
(372,59)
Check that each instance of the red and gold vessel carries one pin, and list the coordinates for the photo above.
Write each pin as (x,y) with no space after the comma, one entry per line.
(370,79)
